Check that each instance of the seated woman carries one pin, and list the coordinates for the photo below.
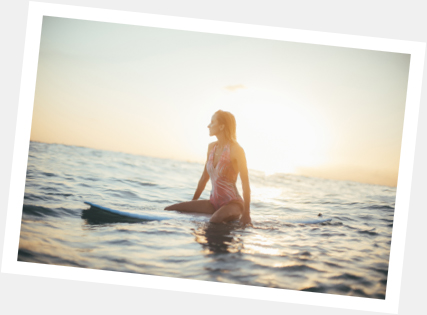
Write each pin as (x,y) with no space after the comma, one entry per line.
(225,160)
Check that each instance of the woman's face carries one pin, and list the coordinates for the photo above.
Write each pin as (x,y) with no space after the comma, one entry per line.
(215,127)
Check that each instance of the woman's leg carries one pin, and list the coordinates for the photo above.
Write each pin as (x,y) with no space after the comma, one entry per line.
(200,206)
(228,212)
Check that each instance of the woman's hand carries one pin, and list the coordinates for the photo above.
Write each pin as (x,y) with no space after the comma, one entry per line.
(246,219)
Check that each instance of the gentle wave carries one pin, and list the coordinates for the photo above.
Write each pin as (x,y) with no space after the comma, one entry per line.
(348,255)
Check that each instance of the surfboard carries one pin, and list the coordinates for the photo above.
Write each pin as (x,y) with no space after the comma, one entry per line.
(145,217)
(200,216)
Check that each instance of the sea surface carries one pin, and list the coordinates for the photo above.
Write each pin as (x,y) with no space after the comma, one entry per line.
(347,256)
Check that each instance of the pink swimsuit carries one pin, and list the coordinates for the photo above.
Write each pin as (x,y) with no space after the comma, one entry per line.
(223,178)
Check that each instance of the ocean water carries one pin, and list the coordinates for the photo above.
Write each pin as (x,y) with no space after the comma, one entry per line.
(348,255)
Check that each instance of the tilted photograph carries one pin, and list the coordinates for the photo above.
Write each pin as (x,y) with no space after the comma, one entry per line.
(214,157)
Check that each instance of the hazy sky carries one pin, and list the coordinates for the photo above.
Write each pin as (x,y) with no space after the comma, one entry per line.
(308,109)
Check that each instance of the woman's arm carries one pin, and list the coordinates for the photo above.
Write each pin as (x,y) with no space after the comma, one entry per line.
(202,184)
(244,176)
(204,179)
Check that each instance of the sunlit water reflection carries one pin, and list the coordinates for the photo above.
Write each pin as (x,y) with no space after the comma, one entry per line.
(348,255)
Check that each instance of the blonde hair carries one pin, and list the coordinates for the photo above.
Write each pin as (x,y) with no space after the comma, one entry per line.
(227,119)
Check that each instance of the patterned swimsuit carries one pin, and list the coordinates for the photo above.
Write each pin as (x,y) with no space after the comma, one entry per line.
(223,178)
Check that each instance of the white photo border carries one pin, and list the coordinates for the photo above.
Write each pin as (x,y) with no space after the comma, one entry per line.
(11,265)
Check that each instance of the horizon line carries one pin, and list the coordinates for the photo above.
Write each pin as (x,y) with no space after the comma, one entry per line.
(202,163)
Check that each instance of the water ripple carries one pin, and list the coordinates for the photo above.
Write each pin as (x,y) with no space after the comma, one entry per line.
(347,256)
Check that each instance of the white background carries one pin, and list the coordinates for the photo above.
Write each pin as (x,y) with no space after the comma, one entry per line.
(385,19)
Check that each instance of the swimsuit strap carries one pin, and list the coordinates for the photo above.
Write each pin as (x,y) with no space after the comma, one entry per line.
(212,155)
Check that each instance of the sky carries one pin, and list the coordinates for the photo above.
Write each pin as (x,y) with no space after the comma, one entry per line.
(306,109)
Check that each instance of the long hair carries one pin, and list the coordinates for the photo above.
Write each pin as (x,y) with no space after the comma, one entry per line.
(228,120)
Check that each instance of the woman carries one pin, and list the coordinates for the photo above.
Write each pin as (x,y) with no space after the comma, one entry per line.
(225,160)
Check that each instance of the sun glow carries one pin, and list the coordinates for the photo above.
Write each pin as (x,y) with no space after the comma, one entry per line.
(265,193)
(312,110)
(278,133)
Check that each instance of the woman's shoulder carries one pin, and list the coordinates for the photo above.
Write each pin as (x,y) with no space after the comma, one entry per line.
(236,148)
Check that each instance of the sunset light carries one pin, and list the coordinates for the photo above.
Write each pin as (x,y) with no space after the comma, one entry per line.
(304,109)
